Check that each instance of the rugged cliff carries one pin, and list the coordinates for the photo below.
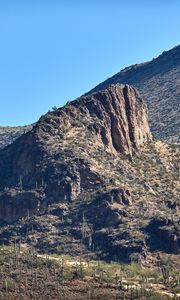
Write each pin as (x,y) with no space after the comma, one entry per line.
(158,83)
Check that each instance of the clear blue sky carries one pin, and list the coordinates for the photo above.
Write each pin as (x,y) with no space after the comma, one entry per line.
(52,51)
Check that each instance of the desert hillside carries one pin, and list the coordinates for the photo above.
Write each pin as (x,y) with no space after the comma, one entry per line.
(89,180)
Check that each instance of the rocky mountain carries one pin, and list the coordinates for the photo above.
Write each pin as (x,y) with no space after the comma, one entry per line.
(89,180)
(9,134)
(158,82)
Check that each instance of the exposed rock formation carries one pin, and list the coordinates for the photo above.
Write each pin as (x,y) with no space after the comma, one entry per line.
(120,118)
(158,83)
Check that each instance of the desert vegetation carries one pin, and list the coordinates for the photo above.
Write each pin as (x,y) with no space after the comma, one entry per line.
(26,274)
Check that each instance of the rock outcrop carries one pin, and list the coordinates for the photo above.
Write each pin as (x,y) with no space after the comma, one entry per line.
(120,117)
(158,83)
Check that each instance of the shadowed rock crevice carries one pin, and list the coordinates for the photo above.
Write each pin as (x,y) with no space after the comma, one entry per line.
(128,114)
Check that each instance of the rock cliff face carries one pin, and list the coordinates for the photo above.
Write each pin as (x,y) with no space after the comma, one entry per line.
(118,117)
(81,178)
(158,84)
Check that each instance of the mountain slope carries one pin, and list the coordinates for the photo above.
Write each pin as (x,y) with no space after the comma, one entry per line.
(9,134)
(158,82)
(114,119)
(89,180)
